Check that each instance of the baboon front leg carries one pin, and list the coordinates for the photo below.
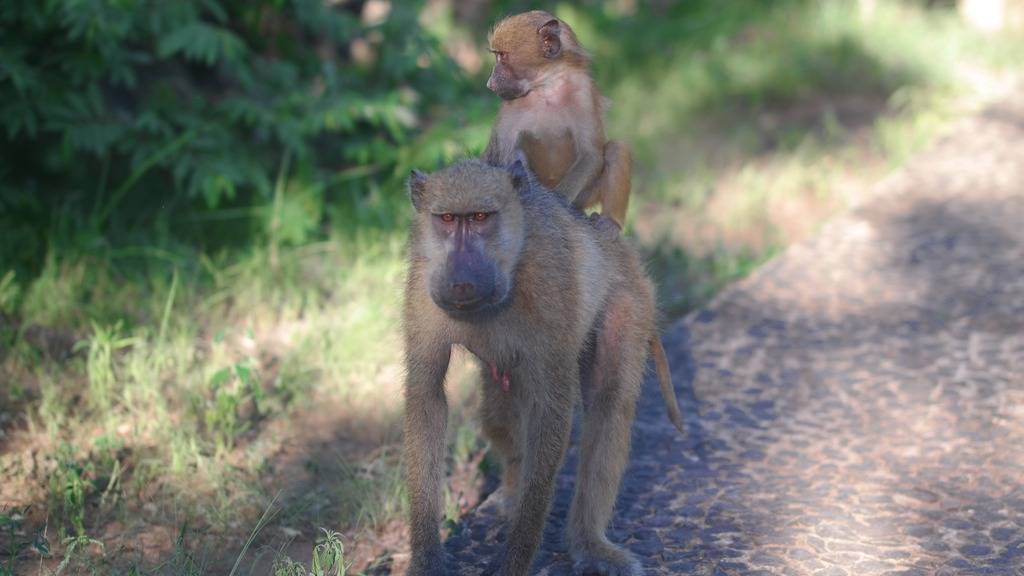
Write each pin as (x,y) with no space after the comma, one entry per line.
(545,434)
(604,446)
(426,416)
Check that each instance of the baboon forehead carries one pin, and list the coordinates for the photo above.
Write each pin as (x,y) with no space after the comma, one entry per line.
(518,32)
(469,186)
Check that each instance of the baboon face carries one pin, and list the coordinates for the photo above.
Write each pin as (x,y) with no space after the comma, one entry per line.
(470,223)
(523,46)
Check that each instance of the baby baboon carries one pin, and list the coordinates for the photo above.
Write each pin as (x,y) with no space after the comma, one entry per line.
(557,308)
(552,111)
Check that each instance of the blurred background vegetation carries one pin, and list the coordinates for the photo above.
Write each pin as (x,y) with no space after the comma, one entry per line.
(202,227)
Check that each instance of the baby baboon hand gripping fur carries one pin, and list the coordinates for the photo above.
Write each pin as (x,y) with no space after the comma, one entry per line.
(560,307)
(553,112)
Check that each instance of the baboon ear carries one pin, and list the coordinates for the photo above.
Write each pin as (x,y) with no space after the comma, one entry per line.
(549,38)
(519,171)
(417,186)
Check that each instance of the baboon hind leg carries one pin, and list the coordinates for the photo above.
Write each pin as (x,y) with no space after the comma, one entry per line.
(546,406)
(612,187)
(501,426)
(609,405)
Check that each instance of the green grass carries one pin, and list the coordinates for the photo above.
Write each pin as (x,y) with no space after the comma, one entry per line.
(750,130)
(328,559)
(160,380)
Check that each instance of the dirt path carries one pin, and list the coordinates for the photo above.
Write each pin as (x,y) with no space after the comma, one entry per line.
(854,408)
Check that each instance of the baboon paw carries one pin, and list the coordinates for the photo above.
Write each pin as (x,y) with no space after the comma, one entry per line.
(621,563)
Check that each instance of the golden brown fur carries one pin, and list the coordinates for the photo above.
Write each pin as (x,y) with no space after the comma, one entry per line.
(553,112)
(576,324)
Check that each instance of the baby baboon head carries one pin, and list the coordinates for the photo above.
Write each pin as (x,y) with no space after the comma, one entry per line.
(469,221)
(527,49)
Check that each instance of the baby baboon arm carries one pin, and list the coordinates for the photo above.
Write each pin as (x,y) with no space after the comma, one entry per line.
(426,415)
(492,154)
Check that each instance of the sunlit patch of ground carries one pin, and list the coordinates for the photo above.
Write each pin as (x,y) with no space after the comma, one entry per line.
(195,397)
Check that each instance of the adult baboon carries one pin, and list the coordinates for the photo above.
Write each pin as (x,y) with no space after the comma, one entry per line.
(557,307)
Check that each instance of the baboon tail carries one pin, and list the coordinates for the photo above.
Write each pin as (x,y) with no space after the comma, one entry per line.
(665,383)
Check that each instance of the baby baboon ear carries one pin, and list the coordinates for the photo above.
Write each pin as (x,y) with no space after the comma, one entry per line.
(519,171)
(417,186)
(550,41)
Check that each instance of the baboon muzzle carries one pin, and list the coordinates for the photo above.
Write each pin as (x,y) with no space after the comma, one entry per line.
(505,87)
(470,284)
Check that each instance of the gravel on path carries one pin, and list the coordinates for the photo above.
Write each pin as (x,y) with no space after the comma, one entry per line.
(856,407)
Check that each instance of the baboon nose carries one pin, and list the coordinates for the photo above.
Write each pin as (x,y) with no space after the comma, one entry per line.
(464,291)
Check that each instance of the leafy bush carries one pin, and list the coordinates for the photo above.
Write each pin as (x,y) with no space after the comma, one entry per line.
(118,114)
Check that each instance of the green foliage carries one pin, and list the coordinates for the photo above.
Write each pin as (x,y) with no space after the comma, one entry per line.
(105,342)
(75,479)
(685,281)
(373,491)
(9,293)
(183,561)
(9,523)
(328,559)
(236,395)
(77,553)
(70,484)
(137,109)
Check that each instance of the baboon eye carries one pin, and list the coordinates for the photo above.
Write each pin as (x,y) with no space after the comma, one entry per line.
(480,216)
(447,217)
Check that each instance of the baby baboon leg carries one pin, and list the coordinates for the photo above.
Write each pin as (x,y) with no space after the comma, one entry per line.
(614,182)
(619,364)
(612,187)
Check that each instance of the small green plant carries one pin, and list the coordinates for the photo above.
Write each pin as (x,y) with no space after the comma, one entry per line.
(8,524)
(109,470)
(76,551)
(182,561)
(328,559)
(236,397)
(70,485)
(100,366)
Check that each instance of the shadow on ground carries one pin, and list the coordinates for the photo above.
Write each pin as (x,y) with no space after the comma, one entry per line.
(855,407)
